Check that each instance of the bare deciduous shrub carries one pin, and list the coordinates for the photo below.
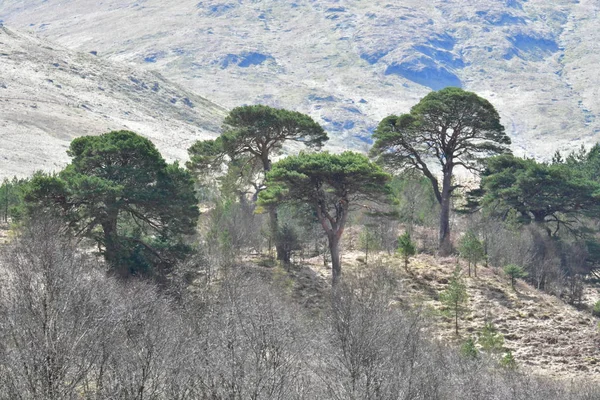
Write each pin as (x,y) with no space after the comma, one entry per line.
(70,332)
(51,316)
(230,229)
(555,265)
(253,344)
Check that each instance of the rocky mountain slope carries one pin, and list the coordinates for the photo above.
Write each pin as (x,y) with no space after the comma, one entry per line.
(349,62)
(49,95)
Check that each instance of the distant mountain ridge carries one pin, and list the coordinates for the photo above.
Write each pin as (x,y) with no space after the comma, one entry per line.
(49,95)
(349,63)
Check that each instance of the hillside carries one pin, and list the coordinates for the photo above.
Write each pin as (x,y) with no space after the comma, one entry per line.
(49,95)
(545,335)
(349,63)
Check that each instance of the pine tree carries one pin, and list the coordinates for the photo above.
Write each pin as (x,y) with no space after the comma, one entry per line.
(406,248)
(455,296)
(514,272)
(449,128)
(332,184)
(471,249)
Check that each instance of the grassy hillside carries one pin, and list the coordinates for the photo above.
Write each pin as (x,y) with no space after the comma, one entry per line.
(545,335)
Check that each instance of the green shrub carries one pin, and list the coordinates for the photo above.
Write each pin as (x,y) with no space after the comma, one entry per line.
(596,309)
(471,249)
(469,350)
(514,272)
(368,241)
(455,297)
(406,248)
(490,339)
(508,361)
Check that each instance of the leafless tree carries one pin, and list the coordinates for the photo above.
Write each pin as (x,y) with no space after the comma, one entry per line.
(69,331)
(50,315)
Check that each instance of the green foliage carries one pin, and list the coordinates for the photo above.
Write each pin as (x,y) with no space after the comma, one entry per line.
(416,202)
(514,272)
(251,136)
(302,220)
(287,238)
(225,242)
(256,132)
(332,184)
(490,339)
(239,180)
(248,126)
(206,156)
(471,249)
(508,361)
(406,248)
(596,309)
(12,194)
(327,180)
(230,230)
(586,162)
(552,194)
(455,297)
(469,124)
(557,158)
(120,192)
(452,126)
(469,350)
(592,247)
(368,240)
(511,220)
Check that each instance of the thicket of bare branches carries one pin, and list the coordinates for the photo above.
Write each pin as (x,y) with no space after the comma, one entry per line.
(558,267)
(67,331)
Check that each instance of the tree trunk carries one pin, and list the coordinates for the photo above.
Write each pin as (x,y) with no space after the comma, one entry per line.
(336,266)
(367,250)
(6,204)
(274,225)
(273,219)
(112,247)
(445,247)
(456,318)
